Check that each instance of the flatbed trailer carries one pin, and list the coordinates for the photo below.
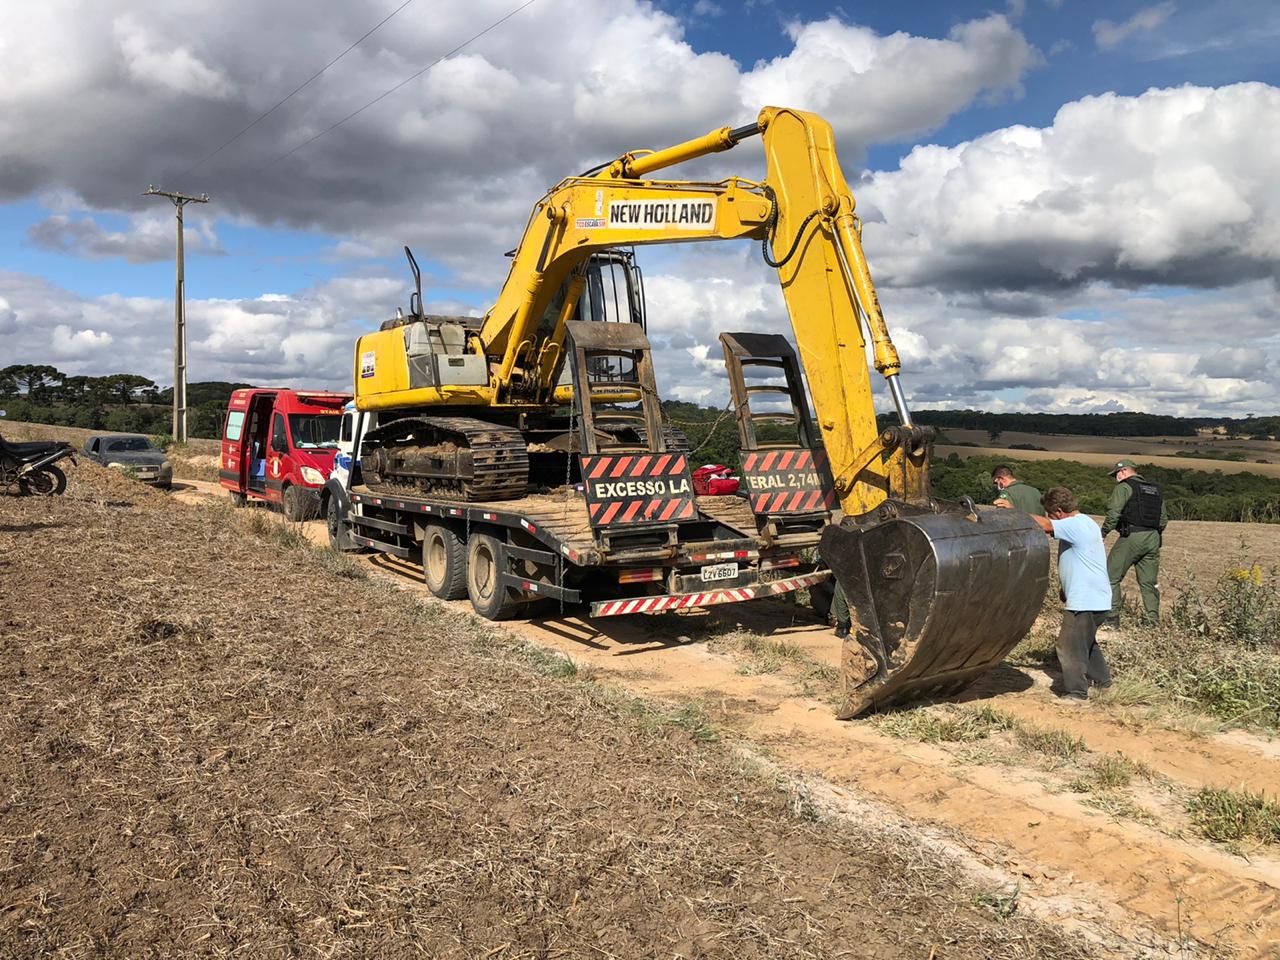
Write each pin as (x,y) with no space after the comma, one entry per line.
(544,546)
(624,531)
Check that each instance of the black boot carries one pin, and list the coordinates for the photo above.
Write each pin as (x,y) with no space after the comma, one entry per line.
(842,630)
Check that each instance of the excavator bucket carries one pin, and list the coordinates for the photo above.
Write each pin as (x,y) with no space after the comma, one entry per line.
(937,597)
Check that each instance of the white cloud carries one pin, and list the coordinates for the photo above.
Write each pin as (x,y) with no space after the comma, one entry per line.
(69,344)
(452,162)
(149,237)
(875,88)
(1174,186)
(1023,267)
(170,69)
(1108,34)
(1234,363)
(303,340)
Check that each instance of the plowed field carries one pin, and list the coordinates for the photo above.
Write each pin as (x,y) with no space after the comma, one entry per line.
(217,740)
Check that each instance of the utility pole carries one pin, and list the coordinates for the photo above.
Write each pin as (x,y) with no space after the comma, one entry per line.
(179,318)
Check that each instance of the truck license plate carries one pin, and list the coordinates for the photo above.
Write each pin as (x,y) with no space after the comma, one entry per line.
(719,571)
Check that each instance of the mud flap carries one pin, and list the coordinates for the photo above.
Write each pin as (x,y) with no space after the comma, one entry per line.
(937,598)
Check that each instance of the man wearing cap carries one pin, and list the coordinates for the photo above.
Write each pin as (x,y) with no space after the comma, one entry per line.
(1020,496)
(1137,513)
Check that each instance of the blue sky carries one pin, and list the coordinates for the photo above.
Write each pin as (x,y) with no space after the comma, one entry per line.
(322,231)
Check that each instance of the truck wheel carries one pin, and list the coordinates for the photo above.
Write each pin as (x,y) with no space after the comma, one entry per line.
(486,559)
(339,529)
(298,505)
(444,562)
(238,499)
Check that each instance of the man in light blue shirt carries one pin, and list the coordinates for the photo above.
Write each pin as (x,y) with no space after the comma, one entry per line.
(1086,592)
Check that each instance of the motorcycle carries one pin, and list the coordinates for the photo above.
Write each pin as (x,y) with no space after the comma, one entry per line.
(31,466)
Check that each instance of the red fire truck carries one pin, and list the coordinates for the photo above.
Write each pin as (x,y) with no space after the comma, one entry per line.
(278,446)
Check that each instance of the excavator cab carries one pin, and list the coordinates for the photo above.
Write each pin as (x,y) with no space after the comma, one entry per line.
(614,290)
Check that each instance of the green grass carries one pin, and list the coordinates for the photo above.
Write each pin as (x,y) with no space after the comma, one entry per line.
(1130,691)
(1113,770)
(692,719)
(1110,771)
(1232,816)
(1002,903)
(943,723)
(657,718)
(1054,744)
(761,654)
(548,663)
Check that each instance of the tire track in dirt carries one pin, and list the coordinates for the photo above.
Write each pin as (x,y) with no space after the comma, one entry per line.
(1100,868)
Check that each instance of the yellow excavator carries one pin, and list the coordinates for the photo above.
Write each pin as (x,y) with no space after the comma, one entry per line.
(550,398)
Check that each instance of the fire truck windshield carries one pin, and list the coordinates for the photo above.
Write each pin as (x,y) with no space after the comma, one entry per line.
(311,430)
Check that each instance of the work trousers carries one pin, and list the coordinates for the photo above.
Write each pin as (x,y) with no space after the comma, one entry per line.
(839,605)
(1079,654)
(1141,551)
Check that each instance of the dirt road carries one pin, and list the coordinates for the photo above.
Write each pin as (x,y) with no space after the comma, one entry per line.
(1126,862)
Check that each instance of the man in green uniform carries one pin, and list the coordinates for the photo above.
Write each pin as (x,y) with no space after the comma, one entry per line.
(1020,496)
(1137,513)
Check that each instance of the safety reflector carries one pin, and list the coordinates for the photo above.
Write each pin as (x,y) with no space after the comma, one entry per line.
(707,598)
(641,575)
(779,563)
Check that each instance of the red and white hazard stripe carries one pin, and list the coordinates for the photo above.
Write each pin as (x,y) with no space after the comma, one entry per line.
(710,598)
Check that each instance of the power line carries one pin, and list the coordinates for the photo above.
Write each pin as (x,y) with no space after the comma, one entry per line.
(296,90)
(406,80)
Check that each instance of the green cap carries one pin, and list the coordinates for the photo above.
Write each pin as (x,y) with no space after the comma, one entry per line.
(1120,465)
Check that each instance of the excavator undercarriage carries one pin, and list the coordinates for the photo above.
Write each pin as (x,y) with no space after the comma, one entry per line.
(456,458)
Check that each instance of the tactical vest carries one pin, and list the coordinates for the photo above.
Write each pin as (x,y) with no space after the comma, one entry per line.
(1143,508)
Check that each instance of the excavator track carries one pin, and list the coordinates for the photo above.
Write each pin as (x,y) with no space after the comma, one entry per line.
(455,458)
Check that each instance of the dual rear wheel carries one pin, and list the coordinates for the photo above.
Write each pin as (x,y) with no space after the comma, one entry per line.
(453,568)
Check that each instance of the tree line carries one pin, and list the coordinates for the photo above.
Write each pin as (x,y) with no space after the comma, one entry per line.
(119,402)
(1188,494)
(1095,424)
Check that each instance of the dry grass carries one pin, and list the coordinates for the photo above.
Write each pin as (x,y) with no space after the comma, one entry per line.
(943,723)
(1054,745)
(759,653)
(217,746)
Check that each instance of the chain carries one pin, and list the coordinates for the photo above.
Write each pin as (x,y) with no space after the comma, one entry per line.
(710,433)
